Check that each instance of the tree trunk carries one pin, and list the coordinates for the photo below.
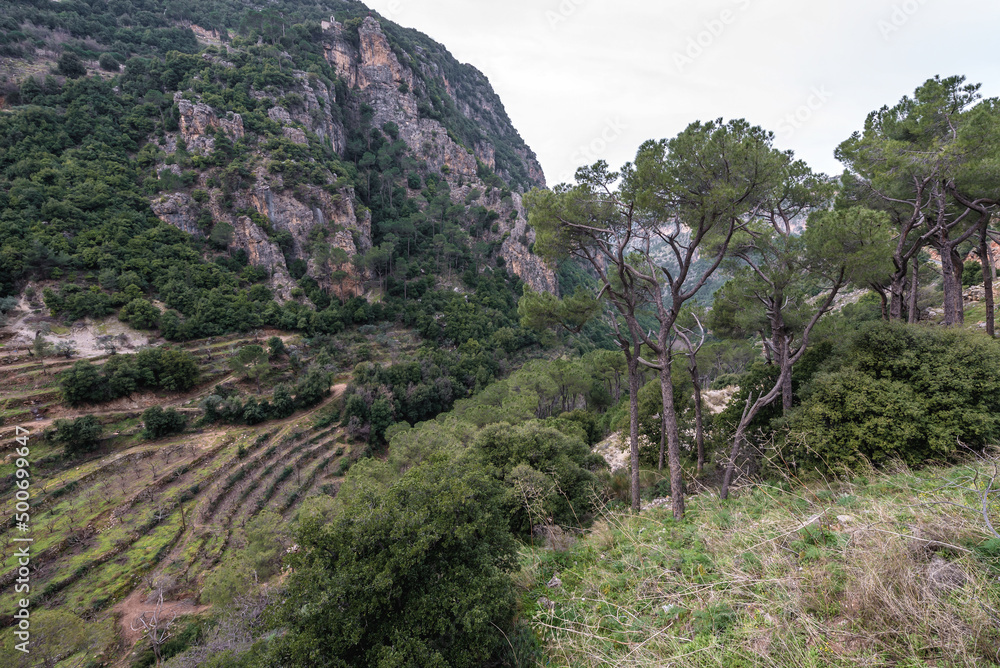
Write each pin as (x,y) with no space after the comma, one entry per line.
(952,292)
(767,351)
(727,479)
(913,315)
(673,434)
(663,440)
(896,295)
(989,254)
(987,261)
(786,380)
(749,413)
(957,267)
(884,303)
(699,432)
(785,367)
(633,423)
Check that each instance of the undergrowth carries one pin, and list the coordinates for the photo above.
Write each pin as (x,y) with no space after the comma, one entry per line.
(890,569)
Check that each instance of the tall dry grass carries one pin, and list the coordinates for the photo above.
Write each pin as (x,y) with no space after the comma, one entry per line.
(883,569)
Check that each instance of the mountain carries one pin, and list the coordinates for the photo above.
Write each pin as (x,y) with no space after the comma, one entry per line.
(373,90)
(212,216)
(313,154)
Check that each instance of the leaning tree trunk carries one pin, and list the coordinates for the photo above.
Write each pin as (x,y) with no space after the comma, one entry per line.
(883,302)
(727,479)
(749,413)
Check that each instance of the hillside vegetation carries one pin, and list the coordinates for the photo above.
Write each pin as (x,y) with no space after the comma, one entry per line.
(303,365)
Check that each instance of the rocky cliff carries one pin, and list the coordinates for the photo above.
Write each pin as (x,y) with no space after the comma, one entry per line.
(313,219)
(452,124)
(394,92)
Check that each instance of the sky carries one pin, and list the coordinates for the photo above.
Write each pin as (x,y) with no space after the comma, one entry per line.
(584,80)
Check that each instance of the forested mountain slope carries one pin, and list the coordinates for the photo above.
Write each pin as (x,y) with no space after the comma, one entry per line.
(209,215)
(311,155)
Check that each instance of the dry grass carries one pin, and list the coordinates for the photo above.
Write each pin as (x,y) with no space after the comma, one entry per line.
(881,570)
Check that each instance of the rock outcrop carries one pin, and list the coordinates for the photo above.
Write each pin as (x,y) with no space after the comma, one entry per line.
(313,112)
(393,90)
(198,122)
(320,227)
(312,223)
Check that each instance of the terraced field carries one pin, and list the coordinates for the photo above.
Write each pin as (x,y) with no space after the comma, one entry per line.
(135,511)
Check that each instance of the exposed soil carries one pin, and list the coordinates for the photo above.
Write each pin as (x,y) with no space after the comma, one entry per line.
(144,601)
(28,319)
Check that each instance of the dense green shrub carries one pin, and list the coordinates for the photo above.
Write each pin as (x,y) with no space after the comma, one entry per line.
(77,436)
(312,388)
(71,66)
(140,313)
(159,422)
(546,474)
(972,273)
(109,63)
(909,392)
(410,573)
(121,375)
(282,404)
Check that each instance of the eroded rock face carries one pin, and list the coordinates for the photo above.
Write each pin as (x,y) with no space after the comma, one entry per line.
(198,120)
(513,224)
(389,87)
(315,113)
(317,230)
(179,210)
(295,135)
(319,225)
(263,252)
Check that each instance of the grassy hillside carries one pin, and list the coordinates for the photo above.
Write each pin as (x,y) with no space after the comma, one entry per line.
(893,569)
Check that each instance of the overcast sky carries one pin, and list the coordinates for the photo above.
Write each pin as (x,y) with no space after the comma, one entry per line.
(590,79)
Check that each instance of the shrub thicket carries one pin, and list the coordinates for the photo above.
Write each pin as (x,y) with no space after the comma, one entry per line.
(900,392)
(77,436)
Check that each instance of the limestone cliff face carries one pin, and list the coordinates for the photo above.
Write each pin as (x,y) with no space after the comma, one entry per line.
(315,114)
(514,234)
(528,266)
(179,210)
(389,88)
(295,226)
(198,120)
(394,92)
(316,224)
(326,223)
